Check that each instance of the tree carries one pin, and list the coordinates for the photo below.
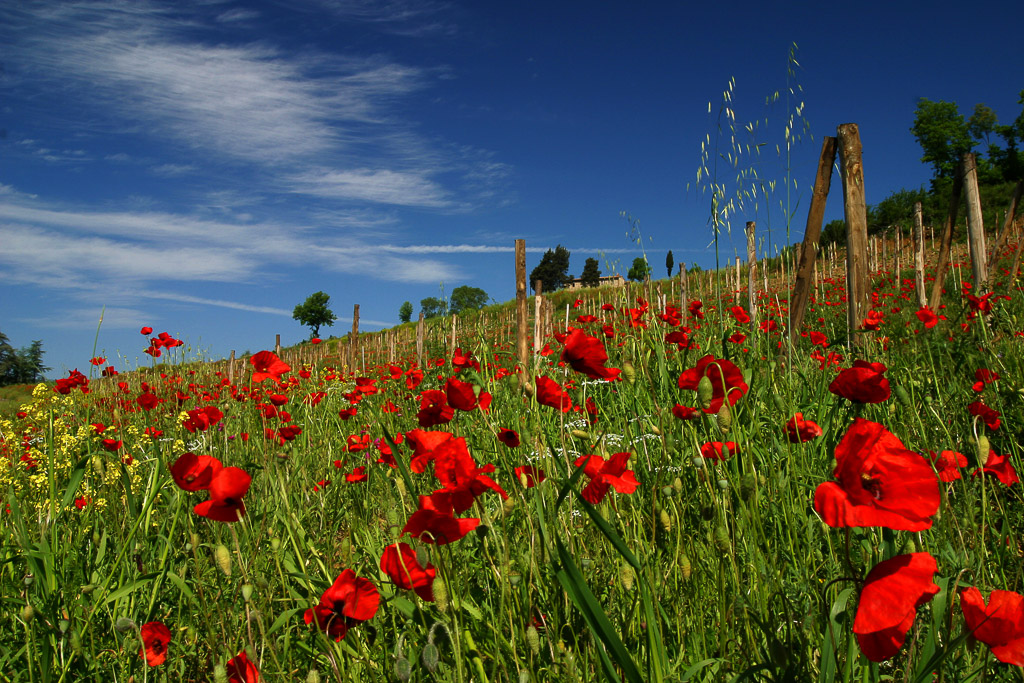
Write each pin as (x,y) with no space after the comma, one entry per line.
(669,262)
(405,312)
(983,122)
(640,271)
(896,210)
(943,134)
(22,366)
(467,298)
(432,307)
(553,269)
(313,313)
(591,276)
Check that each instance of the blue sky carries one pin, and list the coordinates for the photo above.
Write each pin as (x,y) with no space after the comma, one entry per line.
(201,167)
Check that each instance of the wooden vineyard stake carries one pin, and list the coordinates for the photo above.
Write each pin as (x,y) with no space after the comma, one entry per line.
(856,212)
(751,271)
(975,224)
(812,235)
(538,317)
(522,347)
(922,299)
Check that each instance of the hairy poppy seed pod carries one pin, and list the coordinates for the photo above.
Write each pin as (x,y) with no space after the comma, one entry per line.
(724,418)
(509,504)
(666,521)
(28,613)
(983,448)
(677,484)
(705,391)
(533,639)
(626,576)
(655,430)
(275,544)
(262,583)
(400,485)
(223,557)
(220,674)
(668,491)
(76,643)
(194,540)
(403,669)
(629,372)
(580,434)
(63,625)
(124,625)
(430,657)
(440,594)
(525,676)
(722,540)
(723,484)
(902,397)
(780,405)
(685,568)
(313,676)
(247,591)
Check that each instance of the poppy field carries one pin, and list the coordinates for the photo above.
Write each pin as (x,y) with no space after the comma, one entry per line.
(671,493)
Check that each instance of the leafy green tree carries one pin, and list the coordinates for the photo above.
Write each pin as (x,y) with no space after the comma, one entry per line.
(669,262)
(22,366)
(895,210)
(405,312)
(467,298)
(943,134)
(834,232)
(313,313)
(591,276)
(640,270)
(983,123)
(553,269)
(432,307)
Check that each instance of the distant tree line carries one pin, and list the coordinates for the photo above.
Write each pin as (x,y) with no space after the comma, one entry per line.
(463,299)
(21,366)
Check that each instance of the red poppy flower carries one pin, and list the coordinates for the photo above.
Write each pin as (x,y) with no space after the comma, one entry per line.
(461,478)
(863,382)
(155,638)
(438,527)
(716,450)
(605,474)
(529,476)
(403,567)
(695,309)
(460,394)
(98,360)
(590,406)
(1001,467)
(948,464)
(1000,624)
(818,339)
(888,603)
(357,475)
(679,338)
(587,355)
(726,381)
(799,430)
(241,670)
(202,419)
(112,445)
(464,361)
(508,437)
(266,365)
(349,600)
(740,314)
(550,393)
(146,331)
(927,317)
(193,472)
(988,415)
(682,412)
(226,490)
(737,338)
(413,377)
(880,483)
(434,409)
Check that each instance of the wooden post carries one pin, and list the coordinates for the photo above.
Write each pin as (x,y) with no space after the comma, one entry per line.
(684,295)
(419,341)
(812,234)
(1016,260)
(231,367)
(522,348)
(738,285)
(947,240)
(922,298)
(751,271)
(277,346)
(353,341)
(451,346)
(538,318)
(856,212)
(1007,224)
(975,224)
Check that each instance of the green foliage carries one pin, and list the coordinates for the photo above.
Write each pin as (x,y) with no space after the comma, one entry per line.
(313,313)
(669,262)
(591,276)
(405,312)
(943,134)
(640,271)
(553,269)
(466,298)
(895,211)
(432,307)
(21,366)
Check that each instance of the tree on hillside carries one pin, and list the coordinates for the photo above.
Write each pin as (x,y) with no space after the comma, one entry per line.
(591,276)
(467,298)
(640,271)
(834,232)
(21,366)
(943,134)
(553,269)
(432,307)
(669,262)
(313,313)
(405,312)
(895,210)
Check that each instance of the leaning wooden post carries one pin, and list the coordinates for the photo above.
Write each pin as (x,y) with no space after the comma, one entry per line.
(231,368)
(947,240)
(812,235)
(751,271)
(975,224)
(419,340)
(277,345)
(522,346)
(922,299)
(1007,224)
(684,295)
(353,341)
(451,346)
(856,213)
(538,318)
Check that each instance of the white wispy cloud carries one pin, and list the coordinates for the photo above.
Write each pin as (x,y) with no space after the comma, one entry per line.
(381,186)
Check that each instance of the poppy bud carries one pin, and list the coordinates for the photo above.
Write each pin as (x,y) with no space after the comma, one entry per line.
(533,639)
(666,521)
(655,430)
(626,576)
(580,434)
(123,625)
(97,466)
(430,655)
(28,613)
(509,503)
(722,540)
(440,594)
(313,676)
(677,484)
(902,397)
(705,391)
(780,405)
(724,418)
(96,537)
(275,544)
(629,372)
(403,670)
(668,491)
(685,568)
(246,591)
(223,557)
(194,540)
(76,643)
(983,448)
(220,674)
